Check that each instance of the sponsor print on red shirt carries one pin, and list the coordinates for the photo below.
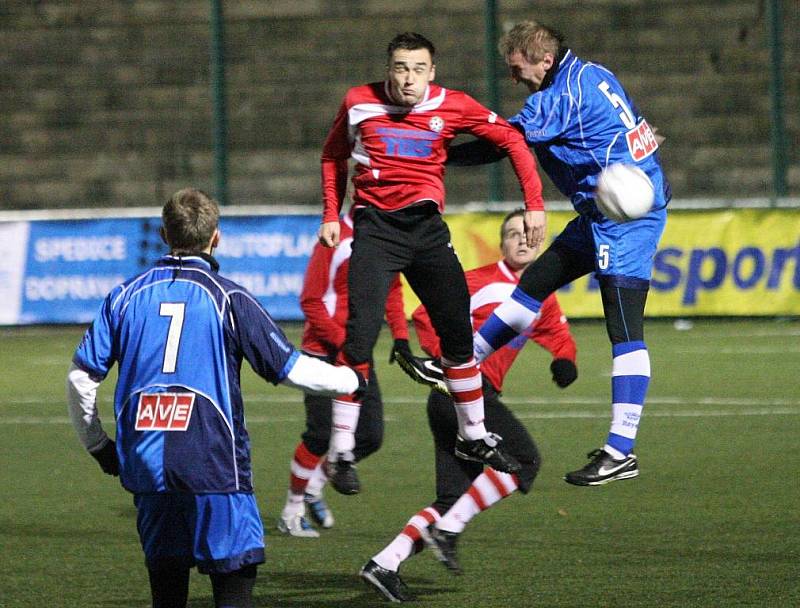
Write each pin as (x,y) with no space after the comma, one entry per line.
(400,151)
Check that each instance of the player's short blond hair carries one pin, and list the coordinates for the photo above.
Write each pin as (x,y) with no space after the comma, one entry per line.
(532,40)
(189,219)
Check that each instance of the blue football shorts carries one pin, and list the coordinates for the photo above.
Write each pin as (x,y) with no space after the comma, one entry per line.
(625,250)
(218,533)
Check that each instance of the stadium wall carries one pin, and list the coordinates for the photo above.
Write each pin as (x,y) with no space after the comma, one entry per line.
(57,267)
(108,102)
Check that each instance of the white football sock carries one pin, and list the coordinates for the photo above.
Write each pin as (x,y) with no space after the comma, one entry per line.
(294,505)
(345,419)
(317,480)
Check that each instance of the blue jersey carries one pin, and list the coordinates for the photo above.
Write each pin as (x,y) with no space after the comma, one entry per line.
(179,333)
(584,121)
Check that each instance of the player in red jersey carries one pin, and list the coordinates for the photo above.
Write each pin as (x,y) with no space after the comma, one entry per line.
(397,132)
(324,303)
(463,488)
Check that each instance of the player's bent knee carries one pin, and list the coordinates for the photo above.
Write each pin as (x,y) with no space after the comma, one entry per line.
(444,503)
(457,356)
(248,571)
(234,589)
(316,444)
(357,355)
(367,447)
(530,469)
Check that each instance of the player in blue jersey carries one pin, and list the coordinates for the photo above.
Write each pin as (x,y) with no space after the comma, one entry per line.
(579,119)
(179,333)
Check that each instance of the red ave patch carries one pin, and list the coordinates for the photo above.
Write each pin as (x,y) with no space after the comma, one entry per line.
(164,411)
(641,141)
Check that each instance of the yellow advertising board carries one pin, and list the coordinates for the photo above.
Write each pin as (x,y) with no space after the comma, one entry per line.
(743,262)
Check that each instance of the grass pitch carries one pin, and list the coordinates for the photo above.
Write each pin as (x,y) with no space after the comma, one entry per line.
(713,519)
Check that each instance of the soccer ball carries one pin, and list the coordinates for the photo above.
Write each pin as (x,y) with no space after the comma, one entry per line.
(624,192)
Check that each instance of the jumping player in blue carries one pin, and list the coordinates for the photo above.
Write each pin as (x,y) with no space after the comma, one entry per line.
(578,119)
(179,333)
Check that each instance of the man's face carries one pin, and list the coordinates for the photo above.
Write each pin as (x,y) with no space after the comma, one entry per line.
(516,252)
(529,74)
(409,73)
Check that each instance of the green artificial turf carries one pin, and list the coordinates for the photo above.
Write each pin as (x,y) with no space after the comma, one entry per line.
(713,519)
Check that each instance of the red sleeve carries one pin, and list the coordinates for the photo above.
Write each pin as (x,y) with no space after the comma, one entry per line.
(483,123)
(428,339)
(335,153)
(551,331)
(315,284)
(395,313)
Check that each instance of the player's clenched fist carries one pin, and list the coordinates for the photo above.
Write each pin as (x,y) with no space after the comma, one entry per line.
(329,233)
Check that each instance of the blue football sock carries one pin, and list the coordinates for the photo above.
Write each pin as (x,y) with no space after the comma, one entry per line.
(508,320)
(629,382)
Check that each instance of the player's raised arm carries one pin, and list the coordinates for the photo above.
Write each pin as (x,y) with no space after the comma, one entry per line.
(491,127)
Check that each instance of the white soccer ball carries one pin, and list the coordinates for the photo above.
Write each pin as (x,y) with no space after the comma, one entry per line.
(624,192)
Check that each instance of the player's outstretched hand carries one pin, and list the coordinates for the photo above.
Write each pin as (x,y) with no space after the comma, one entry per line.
(107,458)
(564,372)
(535,223)
(400,346)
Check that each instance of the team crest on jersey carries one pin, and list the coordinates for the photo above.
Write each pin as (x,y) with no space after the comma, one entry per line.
(164,411)
(436,124)
(641,141)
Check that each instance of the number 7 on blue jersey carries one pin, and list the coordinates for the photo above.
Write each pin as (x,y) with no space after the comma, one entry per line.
(174,310)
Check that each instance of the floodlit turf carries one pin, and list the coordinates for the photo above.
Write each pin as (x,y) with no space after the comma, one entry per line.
(713,519)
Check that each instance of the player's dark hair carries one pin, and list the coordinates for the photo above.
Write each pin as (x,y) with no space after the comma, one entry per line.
(516,213)
(189,219)
(410,41)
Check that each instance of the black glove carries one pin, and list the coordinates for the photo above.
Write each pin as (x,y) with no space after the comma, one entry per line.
(564,372)
(358,394)
(400,346)
(107,458)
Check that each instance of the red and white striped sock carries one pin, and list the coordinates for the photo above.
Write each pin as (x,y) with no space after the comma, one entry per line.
(488,488)
(301,470)
(408,542)
(464,381)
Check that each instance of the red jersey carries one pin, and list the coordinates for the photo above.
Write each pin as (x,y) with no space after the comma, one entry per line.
(489,286)
(324,297)
(400,151)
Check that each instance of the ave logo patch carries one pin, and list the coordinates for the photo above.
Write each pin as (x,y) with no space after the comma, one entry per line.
(164,411)
(641,141)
